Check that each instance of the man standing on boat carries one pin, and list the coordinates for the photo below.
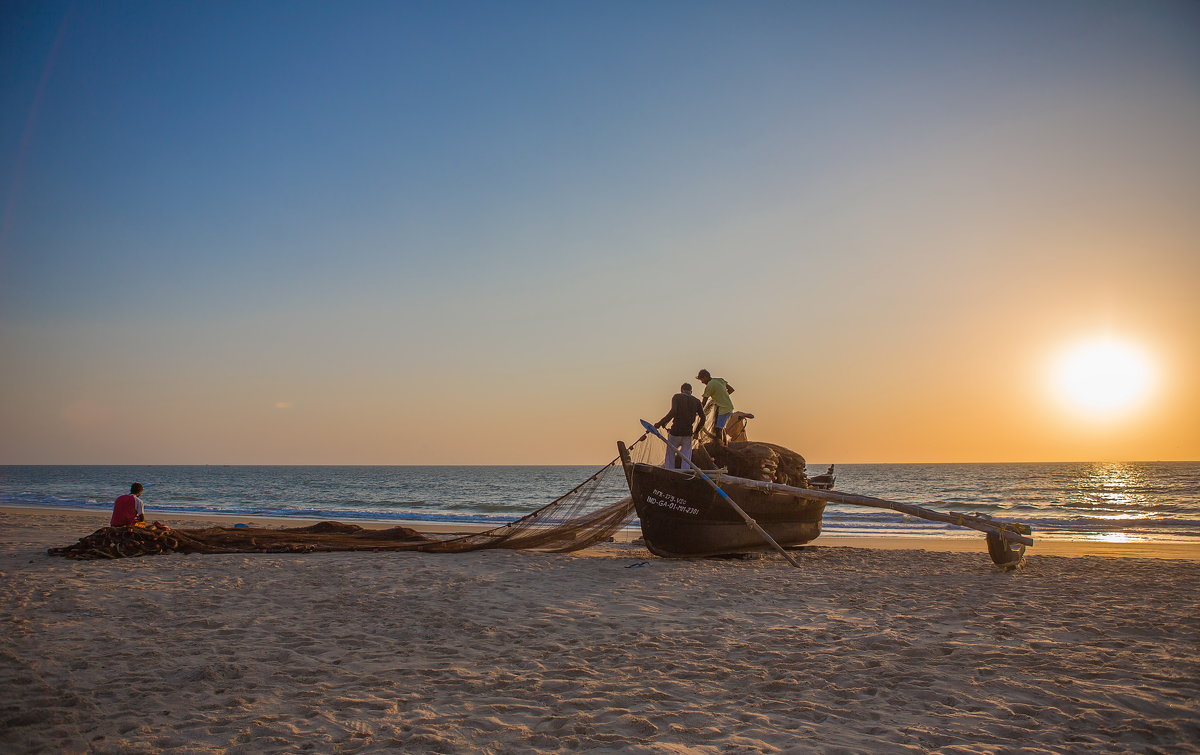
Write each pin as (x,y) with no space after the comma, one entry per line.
(687,412)
(718,391)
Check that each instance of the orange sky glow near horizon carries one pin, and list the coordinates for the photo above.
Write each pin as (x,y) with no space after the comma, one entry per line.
(409,236)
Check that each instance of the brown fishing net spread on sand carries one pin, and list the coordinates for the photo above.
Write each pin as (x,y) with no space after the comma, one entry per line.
(571,522)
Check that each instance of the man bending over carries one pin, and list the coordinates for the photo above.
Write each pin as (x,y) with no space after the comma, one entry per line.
(718,390)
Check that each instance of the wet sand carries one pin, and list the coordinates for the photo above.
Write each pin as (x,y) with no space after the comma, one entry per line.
(863,649)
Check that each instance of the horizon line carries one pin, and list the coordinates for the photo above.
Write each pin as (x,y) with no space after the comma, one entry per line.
(807,462)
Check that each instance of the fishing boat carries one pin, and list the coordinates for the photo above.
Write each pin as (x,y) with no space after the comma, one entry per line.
(823,481)
(693,513)
(683,516)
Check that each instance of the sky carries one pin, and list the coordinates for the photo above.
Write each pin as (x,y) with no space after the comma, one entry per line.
(503,232)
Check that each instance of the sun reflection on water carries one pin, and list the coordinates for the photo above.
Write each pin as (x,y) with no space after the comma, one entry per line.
(1110,487)
(1115,537)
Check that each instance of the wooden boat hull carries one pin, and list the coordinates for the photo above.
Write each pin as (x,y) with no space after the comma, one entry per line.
(683,517)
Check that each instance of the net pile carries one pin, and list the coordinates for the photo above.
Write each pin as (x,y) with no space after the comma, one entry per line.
(754,460)
(147,540)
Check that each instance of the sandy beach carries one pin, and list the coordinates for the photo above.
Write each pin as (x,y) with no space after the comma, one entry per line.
(864,649)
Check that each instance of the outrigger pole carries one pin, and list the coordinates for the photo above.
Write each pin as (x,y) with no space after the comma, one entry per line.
(746,517)
(1006,541)
(1009,531)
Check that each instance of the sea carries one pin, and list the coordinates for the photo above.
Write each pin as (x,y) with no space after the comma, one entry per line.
(1112,501)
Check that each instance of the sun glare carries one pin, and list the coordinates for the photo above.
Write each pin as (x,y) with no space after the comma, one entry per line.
(1103,375)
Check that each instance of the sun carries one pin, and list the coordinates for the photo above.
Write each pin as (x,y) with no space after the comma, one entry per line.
(1103,376)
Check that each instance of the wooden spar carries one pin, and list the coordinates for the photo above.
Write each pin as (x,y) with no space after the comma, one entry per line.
(1004,530)
(626,461)
(745,517)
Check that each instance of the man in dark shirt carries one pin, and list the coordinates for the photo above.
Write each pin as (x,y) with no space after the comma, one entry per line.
(686,411)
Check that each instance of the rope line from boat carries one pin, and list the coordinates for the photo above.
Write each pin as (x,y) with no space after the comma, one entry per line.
(506,532)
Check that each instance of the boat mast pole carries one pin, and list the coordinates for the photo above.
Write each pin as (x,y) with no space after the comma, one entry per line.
(746,517)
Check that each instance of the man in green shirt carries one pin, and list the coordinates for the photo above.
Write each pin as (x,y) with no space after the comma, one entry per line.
(717,390)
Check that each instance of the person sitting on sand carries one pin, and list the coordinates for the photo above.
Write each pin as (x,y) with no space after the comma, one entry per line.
(685,410)
(718,390)
(129,508)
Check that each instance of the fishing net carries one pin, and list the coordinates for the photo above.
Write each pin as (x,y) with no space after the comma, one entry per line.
(582,517)
(571,522)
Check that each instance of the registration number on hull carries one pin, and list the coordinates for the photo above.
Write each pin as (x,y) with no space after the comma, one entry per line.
(672,502)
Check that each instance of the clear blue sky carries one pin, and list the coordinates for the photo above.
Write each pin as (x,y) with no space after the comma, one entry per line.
(457,215)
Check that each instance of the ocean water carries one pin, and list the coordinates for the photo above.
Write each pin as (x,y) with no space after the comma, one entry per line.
(1157,501)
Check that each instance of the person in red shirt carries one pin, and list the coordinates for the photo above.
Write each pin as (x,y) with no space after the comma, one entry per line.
(128,508)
